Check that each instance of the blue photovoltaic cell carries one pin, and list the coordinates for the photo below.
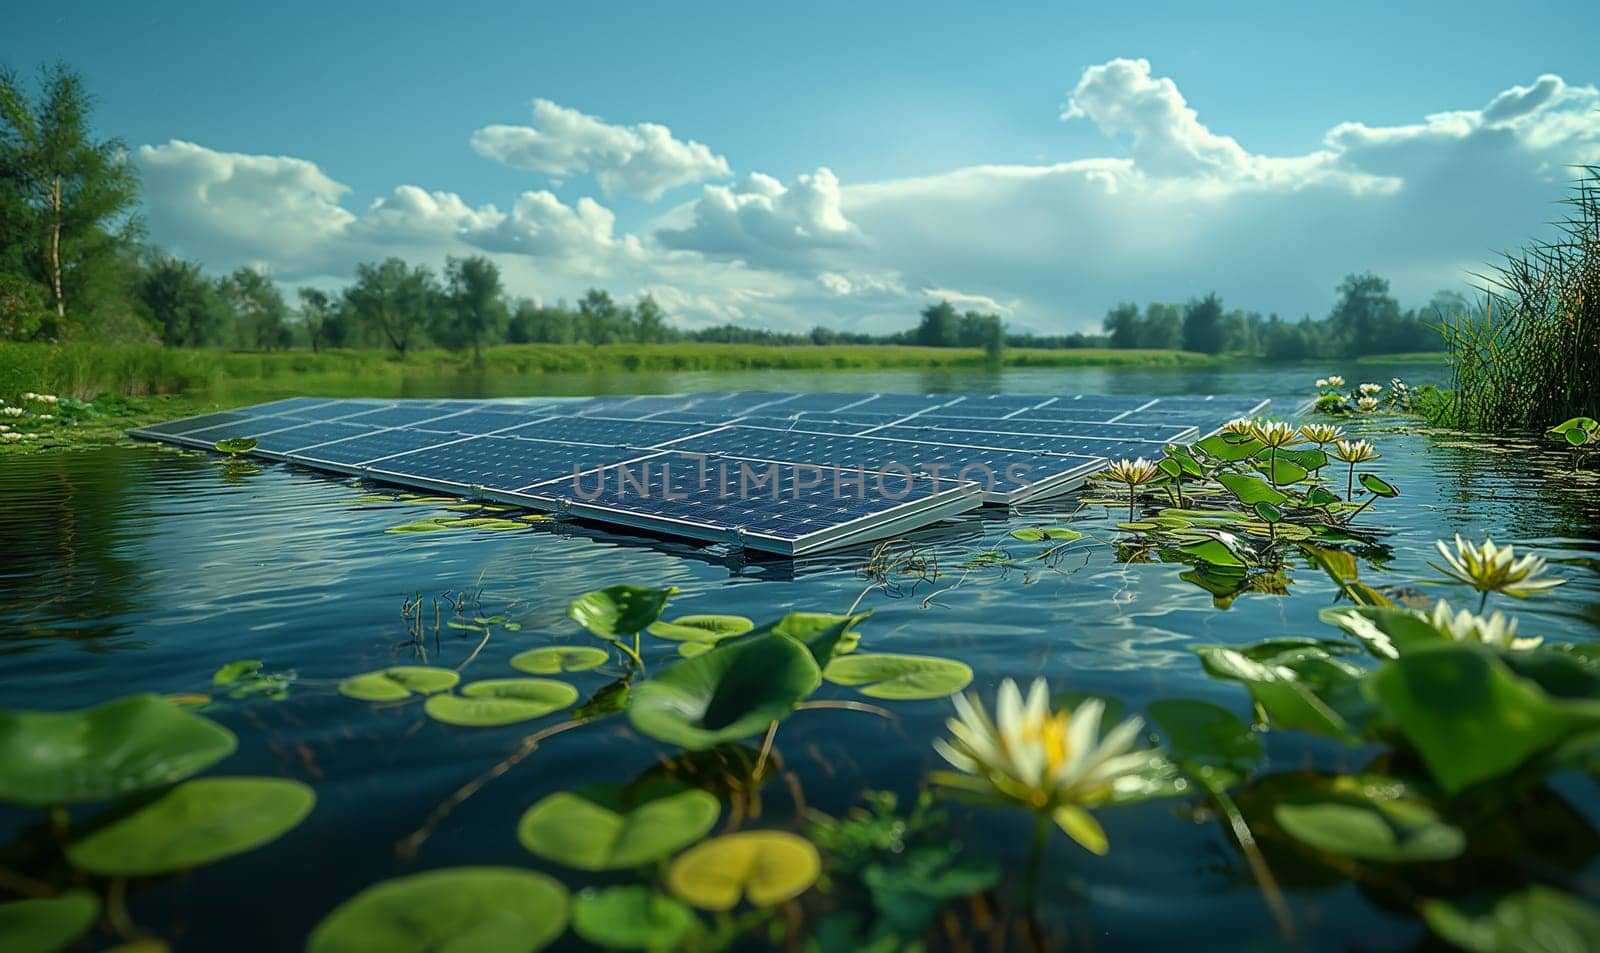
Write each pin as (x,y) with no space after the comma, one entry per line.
(527,451)
(723,495)
(375,446)
(502,463)
(608,431)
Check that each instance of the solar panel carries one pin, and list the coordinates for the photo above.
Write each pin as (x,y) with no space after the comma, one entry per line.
(779,472)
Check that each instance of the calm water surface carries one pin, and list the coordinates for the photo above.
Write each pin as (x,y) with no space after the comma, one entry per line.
(130,569)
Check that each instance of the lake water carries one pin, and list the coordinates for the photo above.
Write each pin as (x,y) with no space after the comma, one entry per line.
(134,568)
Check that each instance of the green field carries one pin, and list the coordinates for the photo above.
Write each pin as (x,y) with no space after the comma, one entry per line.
(89,370)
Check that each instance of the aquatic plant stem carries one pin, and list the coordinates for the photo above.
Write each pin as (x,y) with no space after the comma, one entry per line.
(1252,854)
(1030,883)
(1350,484)
(117,909)
(27,886)
(766,749)
(407,849)
(1483,600)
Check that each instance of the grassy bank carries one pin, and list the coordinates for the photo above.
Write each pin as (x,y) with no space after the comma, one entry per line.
(87,370)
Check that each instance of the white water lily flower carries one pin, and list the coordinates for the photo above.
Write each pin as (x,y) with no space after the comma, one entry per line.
(29,395)
(1368,390)
(1354,451)
(1368,403)
(1238,425)
(1490,568)
(1321,434)
(1275,433)
(1322,382)
(1465,626)
(11,411)
(1052,762)
(1335,381)
(1133,472)
(11,435)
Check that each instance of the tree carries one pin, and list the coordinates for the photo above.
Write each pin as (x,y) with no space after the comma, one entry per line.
(649,321)
(1203,325)
(326,323)
(474,308)
(393,300)
(940,327)
(259,313)
(1122,325)
(992,338)
(598,318)
(181,304)
(65,198)
(1365,314)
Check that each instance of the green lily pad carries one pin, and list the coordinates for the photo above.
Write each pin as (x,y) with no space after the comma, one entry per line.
(487,523)
(1212,552)
(901,677)
(1284,472)
(1387,830)
(501,701)
(123,746)
(1377,486)
(454,910)
(235,671)
(553,659)
(595,830)
(236,445)
(632,918)
(194,824)
(1537,920)
(729,693)
(1053,533)
(432,524)
(400,681)
(1205,734)
(1251,490)
(763,867)
(825,634)
(47,925)
(616,611)
(702,628)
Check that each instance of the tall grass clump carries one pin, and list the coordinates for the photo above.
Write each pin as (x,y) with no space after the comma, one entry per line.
(1531,356)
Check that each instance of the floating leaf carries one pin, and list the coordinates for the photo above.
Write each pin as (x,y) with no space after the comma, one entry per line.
(124,746)
(616,611)
(1230,448)
(1321,498)
(1283,472)
(1377,485)
(1268,512)
(194,824)
(1059,534)
(47,925)
(501,701)
(553,659)
(1470,718)
(702,628)
(824,634)
(486,523)
(1288,688)
(433,524)
(901,677)
(454,910)
(1384,829)
(1385,631)
(1251,490)
(235,446)
(1537,920)
(595,830)
(729,693)
(610,699)
(1206,734)
(632,918)
(234,671)
(400,681)
(1213,552)
(764,867)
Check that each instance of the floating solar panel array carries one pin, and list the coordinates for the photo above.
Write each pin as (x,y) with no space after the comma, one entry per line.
(777,472)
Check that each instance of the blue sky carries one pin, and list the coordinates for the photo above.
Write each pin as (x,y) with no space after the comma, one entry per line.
(905,105)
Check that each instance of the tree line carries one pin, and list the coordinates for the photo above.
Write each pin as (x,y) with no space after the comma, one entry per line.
(74,264)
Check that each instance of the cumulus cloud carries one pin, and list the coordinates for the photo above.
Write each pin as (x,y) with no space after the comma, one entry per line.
(642,160)
(760,220)
(1170,209)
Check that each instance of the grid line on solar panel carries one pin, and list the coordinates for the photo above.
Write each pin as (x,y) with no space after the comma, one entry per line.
(369,448)
(722,495)
(502,463)
(1017,425)
(607,431)
(1088,448)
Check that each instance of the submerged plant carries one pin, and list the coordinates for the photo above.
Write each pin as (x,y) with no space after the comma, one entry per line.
(1490,568)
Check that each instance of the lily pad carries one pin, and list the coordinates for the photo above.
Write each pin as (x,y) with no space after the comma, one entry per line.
(553,659)
(1377,485)
(1387,830)
(763,867)
(400,681)
(1251,490)
(1201,733)
(123,746)
(501,701)
(901,677)
(47,925)
(729,693)
(1213,552)
(432,524)
(825,634)
(1054,533)
(702,628)
(454,910)
(616,611)
(1538,920)
(632,918)
(235,671)
(595,830)
(194,824)
(236,445)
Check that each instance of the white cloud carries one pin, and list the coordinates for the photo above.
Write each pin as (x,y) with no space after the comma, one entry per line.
(1051,246)
(761,221)
(642,160)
